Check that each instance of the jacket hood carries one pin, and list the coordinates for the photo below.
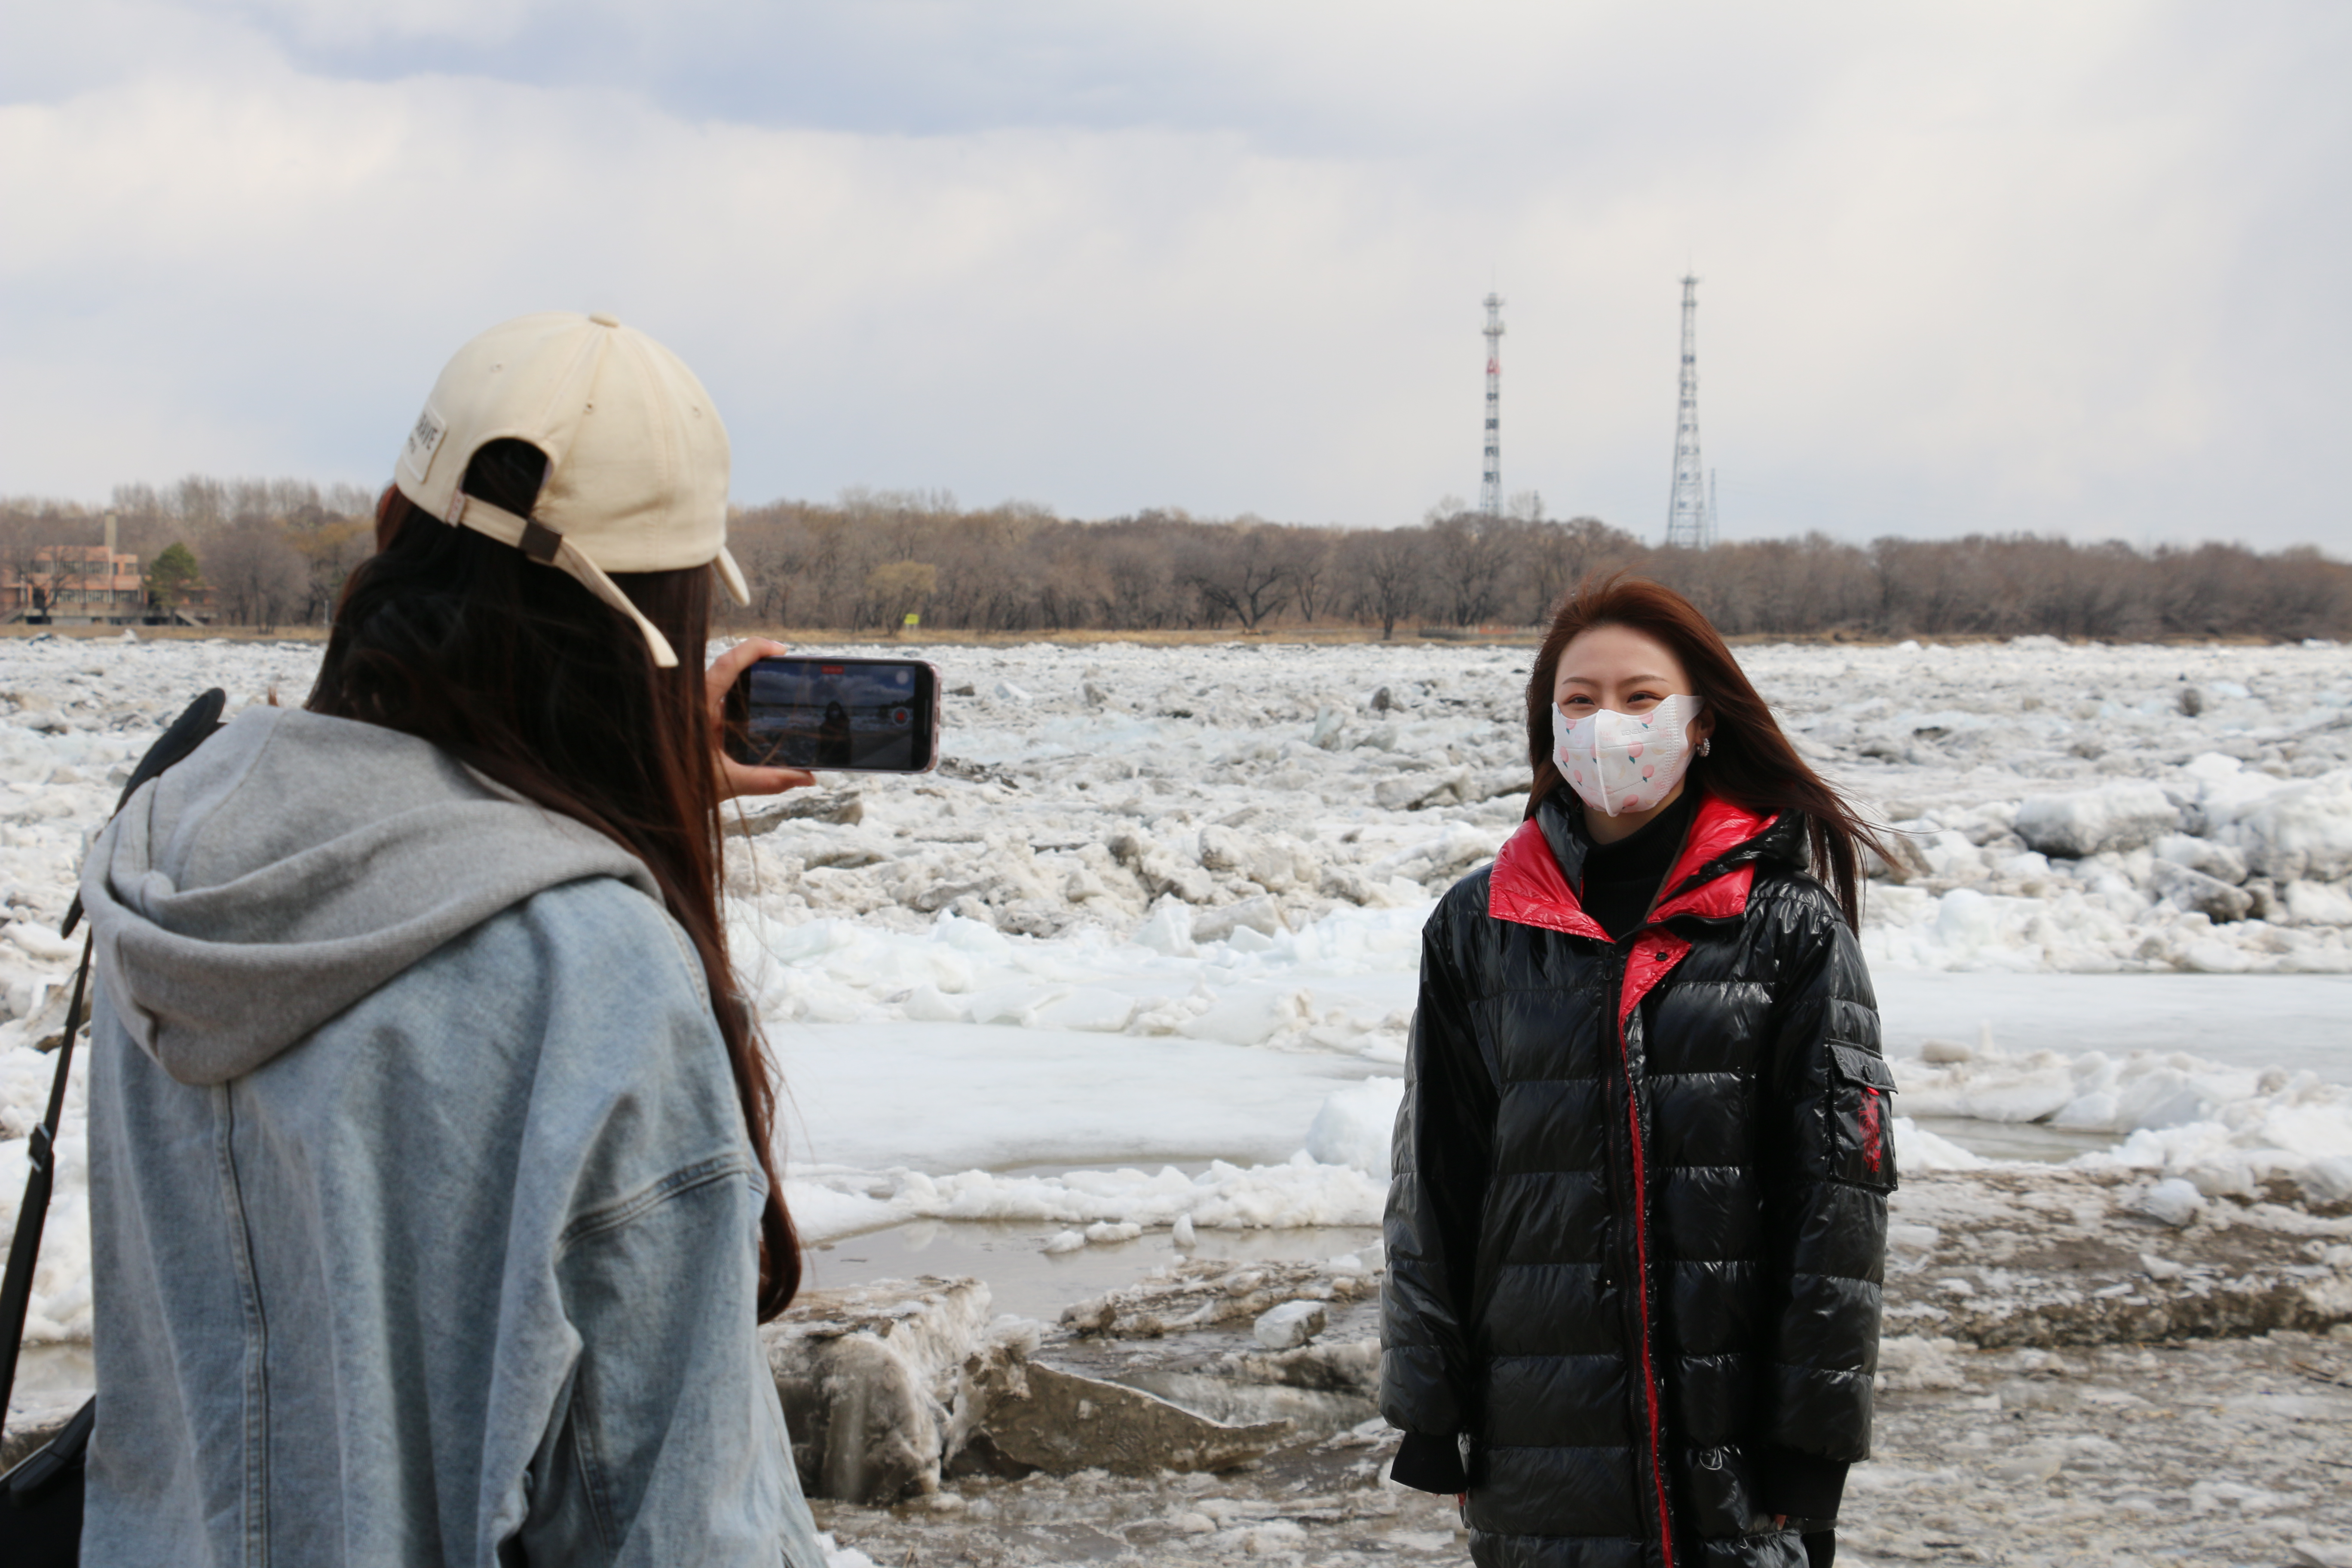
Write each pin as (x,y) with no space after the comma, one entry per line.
(293,864)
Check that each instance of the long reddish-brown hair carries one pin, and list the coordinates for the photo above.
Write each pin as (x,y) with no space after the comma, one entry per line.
(519,672)
(1750,762)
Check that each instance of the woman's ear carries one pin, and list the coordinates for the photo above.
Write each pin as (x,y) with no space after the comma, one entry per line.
(388,517)
(1702,728)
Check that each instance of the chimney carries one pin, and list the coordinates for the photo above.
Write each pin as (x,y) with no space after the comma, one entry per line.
(109,544)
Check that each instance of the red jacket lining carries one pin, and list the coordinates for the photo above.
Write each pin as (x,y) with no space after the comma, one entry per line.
(1527,887)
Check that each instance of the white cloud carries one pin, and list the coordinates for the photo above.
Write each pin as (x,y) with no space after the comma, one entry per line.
(2015,269)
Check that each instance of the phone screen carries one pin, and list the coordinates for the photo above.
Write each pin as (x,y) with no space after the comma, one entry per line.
(868,715)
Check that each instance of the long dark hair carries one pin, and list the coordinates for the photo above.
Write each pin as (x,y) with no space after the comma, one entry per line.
(518,671)
(1750,762)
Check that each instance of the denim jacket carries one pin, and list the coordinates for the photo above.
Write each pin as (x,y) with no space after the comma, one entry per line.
(462,1272)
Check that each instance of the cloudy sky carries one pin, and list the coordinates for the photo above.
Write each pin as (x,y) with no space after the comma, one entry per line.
(2080,269)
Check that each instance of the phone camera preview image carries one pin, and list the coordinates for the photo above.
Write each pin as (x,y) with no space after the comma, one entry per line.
(863,715)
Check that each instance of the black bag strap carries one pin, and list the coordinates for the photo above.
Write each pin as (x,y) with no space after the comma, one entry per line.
(40,1156)
(193,728)
(42,1468)
(188,732)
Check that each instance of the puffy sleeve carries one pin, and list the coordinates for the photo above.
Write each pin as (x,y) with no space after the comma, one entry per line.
(1439,1161)
(1832,1098)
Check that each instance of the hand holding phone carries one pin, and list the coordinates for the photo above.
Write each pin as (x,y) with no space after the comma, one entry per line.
(738,780)
(858,715)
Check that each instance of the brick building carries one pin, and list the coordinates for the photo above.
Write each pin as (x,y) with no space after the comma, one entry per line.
(81,584)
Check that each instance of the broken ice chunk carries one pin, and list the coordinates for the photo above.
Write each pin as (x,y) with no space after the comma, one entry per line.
(2174,1201)
(1290,1325)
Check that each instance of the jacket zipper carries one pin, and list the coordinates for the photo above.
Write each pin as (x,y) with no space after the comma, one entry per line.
(1642,1273)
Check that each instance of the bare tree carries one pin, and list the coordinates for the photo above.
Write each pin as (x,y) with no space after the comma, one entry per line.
(1243,571)
(899,589)
(1557,556)
(24,541)
(1138,580)
(54,572)
(1386,571)
(199,502)
(1471,555)
(1311,560)
(329,549)
(258,576)
(274,549)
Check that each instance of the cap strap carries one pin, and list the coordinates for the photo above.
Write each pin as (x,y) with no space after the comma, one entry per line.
(570,560)
(539,542)
(531,537)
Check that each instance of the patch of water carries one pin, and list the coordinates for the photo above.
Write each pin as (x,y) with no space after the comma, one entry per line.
(2017,1140)
(1023,1278)
(2293,1021)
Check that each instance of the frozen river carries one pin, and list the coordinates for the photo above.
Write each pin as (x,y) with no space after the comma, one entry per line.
(2301,1022)
(1143,951)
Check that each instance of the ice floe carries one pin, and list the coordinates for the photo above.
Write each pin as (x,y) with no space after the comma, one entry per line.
(1157,917)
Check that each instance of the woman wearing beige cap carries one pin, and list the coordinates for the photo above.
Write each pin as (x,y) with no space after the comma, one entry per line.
(434,1199)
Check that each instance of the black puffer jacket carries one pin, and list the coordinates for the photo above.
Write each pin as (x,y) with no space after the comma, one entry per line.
(1638,1220)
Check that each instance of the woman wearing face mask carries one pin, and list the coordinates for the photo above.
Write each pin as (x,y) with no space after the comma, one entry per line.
(1638,1219)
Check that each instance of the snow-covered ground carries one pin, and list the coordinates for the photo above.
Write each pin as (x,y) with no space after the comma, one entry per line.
(1143,954)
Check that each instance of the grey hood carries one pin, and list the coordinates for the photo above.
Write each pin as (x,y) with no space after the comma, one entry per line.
(293,864)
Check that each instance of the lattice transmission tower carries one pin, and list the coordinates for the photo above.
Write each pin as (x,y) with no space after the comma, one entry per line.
(1490,482)
(1690,517)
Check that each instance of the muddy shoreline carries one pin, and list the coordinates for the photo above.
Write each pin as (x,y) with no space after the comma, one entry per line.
(2075,1372)
(2067,1378)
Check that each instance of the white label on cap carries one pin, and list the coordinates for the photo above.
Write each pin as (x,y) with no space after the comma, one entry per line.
(416,454)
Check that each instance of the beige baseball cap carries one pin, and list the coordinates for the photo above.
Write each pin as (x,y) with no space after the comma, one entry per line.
(636,458)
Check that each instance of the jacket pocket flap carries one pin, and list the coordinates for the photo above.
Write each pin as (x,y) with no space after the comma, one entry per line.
(1859,1066)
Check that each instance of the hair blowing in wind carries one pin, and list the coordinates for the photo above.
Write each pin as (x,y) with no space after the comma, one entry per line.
(1752,763)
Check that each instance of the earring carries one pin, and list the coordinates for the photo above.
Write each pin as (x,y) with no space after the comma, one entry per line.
(1706,745)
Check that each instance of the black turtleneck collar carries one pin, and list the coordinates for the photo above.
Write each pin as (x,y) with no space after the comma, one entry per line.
(1616,883)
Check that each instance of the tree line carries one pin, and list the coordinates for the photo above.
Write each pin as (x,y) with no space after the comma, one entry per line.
(254,552)
(275,551)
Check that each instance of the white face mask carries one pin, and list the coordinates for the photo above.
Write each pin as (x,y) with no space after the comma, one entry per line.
(1621,763)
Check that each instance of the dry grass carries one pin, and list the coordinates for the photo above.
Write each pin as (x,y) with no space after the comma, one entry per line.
(822,636)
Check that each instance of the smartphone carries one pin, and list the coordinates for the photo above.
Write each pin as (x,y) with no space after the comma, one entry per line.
(860,715)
